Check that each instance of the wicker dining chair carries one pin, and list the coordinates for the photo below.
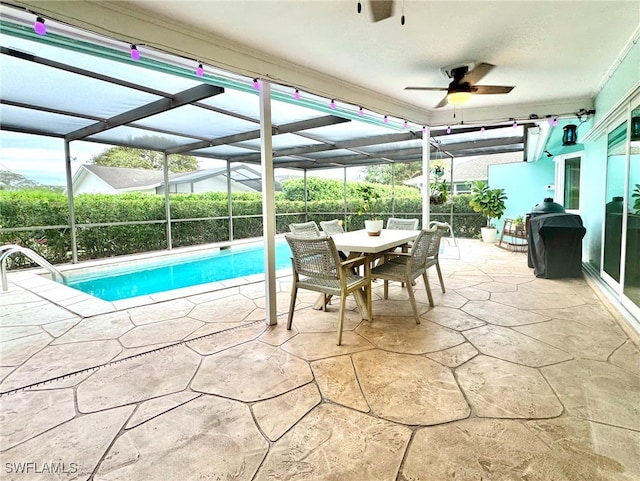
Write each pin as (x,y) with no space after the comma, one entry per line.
(434,249)
(305,228)
(331,227)
(402,224)
(405,267)
(317,267)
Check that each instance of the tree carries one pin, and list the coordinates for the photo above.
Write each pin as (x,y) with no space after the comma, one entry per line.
(12,181)
(143,159)
(381,173)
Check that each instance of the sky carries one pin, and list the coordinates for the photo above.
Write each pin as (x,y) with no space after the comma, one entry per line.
(41,159)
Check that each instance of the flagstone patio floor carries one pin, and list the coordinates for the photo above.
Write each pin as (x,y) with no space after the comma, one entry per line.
(508,377)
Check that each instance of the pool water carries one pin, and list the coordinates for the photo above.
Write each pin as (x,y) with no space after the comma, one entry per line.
(150,277)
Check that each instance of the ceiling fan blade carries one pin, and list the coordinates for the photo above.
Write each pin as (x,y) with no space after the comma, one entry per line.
(381,9)
(477,73)
(431,89)
(491,89)
(442,103)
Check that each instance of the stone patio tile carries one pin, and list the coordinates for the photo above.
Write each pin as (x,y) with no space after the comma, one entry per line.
(276,416)
(314,320)
(584,314)
(500,389)
(155,374)
(76,446)
(449,299)
(496,286)
(405,336)
(206,438)
(336,443)
(237,334)
(454,356)
(57,329)
(283,299)
(453,318)
(16,332)
(396,306)
(409,389)
(54,361)
(488,450)
(313,346)
(278,334)
(136,351)
(106,326)
(473,294)
(455,283)
(597,391)
(337,379)
(529,299)
(501,314)
(251,372)
(164,331)
(509,345)
(562,287)
(220,292)
(160,311)
(29,413)
(18,351)
(627,357)
(610,453)
(16,296)
(87,306)
(589,343)
(235,308)
(155,407)
(34,315)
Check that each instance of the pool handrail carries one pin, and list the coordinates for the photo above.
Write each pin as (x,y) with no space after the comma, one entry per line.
(9,249)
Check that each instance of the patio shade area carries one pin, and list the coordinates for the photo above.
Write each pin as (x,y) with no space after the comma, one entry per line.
(76,85)
(507,377)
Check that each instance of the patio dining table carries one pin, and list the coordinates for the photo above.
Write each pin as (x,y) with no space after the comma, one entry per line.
(360,243)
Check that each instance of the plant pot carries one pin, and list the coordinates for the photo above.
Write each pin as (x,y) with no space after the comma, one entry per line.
(489,234)
(373,227)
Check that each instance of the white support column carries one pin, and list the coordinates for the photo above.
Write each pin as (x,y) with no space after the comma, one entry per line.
(268,204)
(72,211)
(167,202)
(426,171)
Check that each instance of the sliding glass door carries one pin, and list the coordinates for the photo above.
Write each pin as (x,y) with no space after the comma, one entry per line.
(631,287)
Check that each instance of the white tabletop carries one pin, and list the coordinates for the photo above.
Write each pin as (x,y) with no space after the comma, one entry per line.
(360,241)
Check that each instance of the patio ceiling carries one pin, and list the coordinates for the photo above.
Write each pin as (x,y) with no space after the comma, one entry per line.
(76,85)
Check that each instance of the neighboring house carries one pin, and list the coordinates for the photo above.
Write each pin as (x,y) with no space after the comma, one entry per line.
(94,179)
(467,170)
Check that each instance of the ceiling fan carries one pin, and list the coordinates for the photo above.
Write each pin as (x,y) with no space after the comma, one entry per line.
(463,86)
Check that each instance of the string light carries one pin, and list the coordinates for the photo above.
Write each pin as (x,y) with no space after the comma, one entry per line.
(515,124)
(448,129)
(424,129)
(256,85)
(200,70)
(386,119)
(39,27)
(360,112)
(406,124)
(482,129)
(296,94)
(333,104)
(135,53)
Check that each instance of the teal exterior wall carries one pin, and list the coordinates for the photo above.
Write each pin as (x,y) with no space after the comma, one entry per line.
(524,183)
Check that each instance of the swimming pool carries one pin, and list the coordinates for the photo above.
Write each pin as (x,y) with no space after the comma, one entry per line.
(166,273)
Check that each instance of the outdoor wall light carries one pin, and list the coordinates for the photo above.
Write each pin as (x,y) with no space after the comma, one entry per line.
(569,135)
(39,27)
(135,53)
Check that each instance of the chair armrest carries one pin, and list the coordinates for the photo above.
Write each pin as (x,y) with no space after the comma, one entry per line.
(356,261)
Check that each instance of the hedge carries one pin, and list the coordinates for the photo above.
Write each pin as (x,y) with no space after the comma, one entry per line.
(191,215)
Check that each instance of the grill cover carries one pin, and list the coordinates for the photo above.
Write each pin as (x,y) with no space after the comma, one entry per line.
(555,245)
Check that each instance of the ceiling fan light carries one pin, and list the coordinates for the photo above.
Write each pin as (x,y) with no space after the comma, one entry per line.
(458,97)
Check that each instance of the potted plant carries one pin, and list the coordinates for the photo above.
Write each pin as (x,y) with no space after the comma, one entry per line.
(490,203)
(368,195)
(518,224)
